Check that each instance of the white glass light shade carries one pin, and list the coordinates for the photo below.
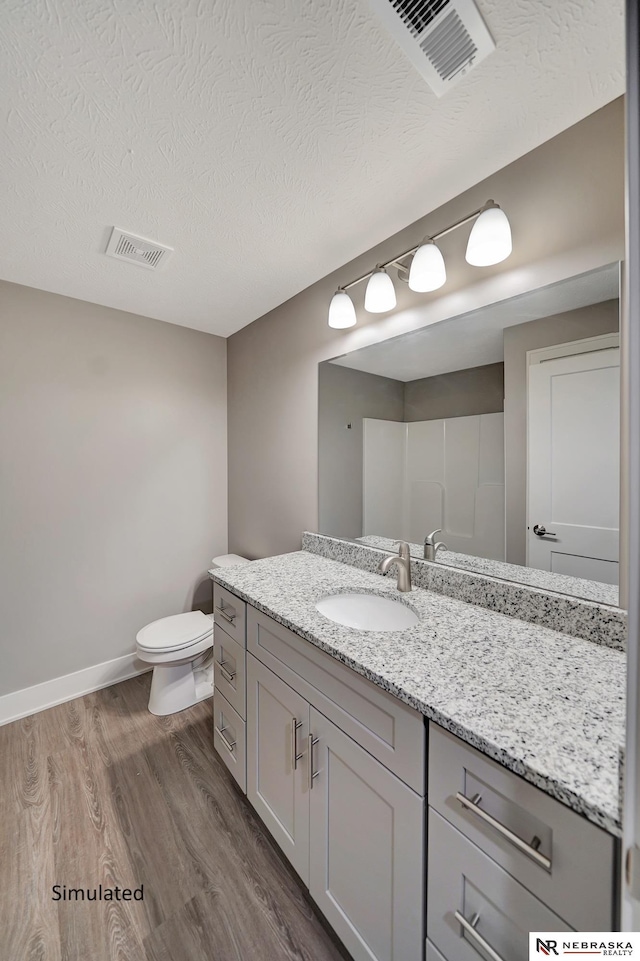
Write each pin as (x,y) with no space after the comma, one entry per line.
(490,238)
(380,294)
(427,271)
(342,313)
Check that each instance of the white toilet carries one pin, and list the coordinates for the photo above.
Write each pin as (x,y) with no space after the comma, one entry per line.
(180,647)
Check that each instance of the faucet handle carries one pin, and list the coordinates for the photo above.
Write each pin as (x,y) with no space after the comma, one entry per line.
(429,538)
(404,549)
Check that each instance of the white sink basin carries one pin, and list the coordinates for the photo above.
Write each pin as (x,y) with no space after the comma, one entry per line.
(367,612)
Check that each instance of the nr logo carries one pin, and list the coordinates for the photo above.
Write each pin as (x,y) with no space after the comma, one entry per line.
(546,947)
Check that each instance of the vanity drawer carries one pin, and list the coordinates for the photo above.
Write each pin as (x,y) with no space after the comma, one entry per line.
(229,670)
(573,868)
(391,731)
(230,613)
(463,882)
(229,738)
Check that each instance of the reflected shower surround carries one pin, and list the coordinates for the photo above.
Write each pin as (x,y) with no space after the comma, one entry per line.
(448,475)
(489,243)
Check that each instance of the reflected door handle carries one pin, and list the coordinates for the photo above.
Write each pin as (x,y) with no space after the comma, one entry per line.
(542,531)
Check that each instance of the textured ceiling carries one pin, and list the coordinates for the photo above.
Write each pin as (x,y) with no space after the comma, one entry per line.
(267,142)
(476,338)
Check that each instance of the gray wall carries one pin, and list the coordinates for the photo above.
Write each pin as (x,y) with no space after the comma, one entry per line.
(559,329)
(345,397)
(113,479)
(461,393)
(565,201)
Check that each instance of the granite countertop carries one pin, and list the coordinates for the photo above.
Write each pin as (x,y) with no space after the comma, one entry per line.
(545,705)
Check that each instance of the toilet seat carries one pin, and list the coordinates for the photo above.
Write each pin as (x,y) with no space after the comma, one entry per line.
(175,633)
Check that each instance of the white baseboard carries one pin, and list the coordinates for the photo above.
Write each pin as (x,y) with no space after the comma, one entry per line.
(31,700)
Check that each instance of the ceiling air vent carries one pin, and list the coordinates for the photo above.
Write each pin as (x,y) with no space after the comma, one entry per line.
(137,250)
(444,39)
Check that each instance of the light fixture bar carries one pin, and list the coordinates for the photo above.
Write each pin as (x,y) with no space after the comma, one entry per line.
(395,261)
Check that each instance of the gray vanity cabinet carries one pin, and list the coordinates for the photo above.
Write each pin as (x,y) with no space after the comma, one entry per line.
(366,859)
(277,758)
(505,858)
(351,828)
(475,908)
(561,858)
(385,727)
(336,768)
(229,725)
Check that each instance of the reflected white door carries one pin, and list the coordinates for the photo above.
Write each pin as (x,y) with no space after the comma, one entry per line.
(574,465)
(383,462)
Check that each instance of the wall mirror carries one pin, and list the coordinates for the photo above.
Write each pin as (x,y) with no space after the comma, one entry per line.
(499,429)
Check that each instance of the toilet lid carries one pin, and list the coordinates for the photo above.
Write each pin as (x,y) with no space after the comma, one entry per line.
(175,632)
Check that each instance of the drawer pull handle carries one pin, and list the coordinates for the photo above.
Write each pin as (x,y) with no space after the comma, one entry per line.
(229,618)
(470,928)
(228,744)
(531,850)
(295,757)
(312,774)
(227,675)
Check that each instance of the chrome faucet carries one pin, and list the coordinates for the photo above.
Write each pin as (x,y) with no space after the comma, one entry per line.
(402,560)
(431,546)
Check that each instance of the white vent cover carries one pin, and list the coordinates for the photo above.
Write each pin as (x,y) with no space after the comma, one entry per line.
(137,250)
(444,39)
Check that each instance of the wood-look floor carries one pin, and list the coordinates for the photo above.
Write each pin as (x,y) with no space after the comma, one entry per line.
(99,791)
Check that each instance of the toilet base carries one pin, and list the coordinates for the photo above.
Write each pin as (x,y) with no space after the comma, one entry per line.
(175,687)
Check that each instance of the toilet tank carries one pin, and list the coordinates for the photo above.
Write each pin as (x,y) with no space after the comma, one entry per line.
(228,560)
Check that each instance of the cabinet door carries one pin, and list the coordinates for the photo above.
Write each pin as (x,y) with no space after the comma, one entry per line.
(277,772)
(366,849)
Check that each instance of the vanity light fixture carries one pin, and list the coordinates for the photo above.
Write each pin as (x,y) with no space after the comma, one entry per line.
(490,238)
(427,271)
(489,243)
(380,295)
(342,312)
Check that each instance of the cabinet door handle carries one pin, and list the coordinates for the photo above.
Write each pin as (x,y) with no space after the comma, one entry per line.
(470,928)
(229,618)
(295,757)
(528,849)
(312,774)
(227,675)
(227,743)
